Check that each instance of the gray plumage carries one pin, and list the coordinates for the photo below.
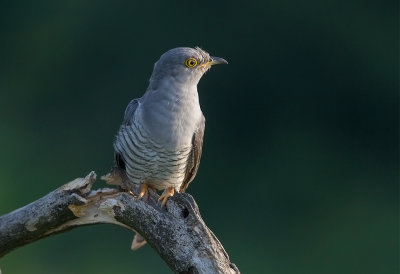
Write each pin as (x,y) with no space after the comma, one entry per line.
(160,140)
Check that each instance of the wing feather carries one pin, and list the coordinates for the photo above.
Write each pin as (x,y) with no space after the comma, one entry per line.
(194,156)
(130,111)
(128,117)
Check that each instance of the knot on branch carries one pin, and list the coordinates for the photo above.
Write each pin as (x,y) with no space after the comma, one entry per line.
(184,207)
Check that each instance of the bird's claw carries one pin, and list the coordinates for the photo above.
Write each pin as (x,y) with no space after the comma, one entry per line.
(168,192)
(144,191)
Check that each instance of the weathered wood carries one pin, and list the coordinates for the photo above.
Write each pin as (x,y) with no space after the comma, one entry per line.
(176,231)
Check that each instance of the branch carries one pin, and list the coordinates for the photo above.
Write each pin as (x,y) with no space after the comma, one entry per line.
(176,231)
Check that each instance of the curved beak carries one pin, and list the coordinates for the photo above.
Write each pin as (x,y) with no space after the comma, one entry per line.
(218,61)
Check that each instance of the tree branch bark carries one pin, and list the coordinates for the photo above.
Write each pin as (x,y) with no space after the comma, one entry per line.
(176,231)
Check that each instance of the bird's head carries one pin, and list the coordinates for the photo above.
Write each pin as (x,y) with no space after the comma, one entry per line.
(184,65)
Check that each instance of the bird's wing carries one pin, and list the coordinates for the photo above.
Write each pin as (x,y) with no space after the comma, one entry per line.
(130,111)
(194,156)
(128,116)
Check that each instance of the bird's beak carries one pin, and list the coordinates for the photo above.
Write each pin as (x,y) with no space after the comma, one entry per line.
(218,61)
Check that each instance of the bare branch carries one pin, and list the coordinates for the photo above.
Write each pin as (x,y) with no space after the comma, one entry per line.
(177,231)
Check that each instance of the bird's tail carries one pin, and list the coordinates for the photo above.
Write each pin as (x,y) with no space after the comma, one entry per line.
(138,242)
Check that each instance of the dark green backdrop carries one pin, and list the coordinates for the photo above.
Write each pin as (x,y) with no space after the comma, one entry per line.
(300,162)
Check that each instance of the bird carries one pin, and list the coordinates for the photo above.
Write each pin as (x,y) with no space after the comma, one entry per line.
(159,143)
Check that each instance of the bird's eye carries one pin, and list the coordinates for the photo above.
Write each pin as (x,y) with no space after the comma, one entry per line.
(191,62)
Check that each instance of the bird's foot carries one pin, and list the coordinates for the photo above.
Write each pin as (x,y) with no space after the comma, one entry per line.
(144,191)
(168,192)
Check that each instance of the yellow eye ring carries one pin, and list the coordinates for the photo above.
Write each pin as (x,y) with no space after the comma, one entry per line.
(191,62)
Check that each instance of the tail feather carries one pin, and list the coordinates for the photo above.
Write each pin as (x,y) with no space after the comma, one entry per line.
(138,242)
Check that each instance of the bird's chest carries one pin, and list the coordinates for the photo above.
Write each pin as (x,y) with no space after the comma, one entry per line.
(151,161)
(172,122)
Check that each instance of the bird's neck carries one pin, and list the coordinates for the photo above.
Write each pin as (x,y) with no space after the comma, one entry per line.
(176,96)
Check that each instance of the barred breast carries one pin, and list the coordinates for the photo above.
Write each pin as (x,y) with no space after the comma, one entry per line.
(147,161)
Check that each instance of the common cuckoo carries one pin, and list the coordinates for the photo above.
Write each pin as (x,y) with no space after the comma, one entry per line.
(160,140)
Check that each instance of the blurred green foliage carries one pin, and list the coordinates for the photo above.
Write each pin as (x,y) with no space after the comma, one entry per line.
(300,162)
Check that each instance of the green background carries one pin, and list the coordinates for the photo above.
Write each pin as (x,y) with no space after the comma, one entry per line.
(300,161)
